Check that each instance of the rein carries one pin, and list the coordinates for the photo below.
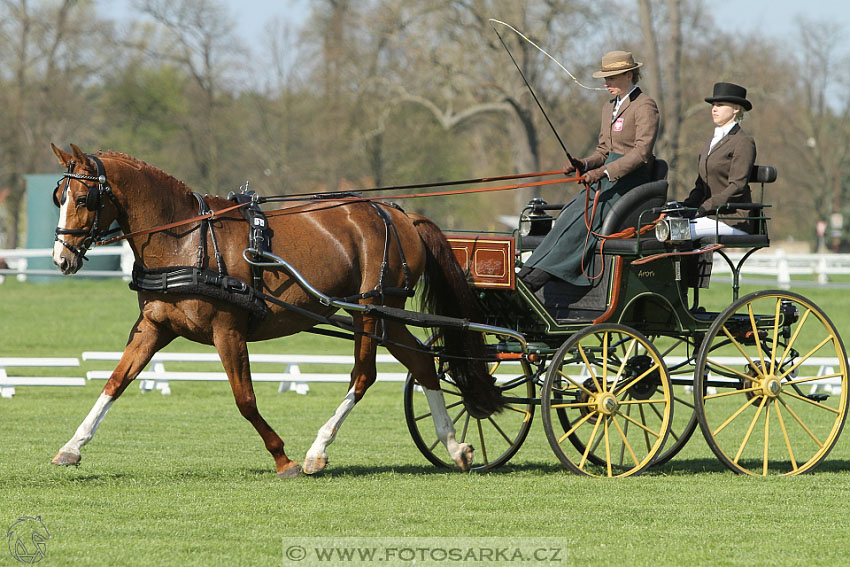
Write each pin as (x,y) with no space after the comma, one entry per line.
(347,198)
(206,216)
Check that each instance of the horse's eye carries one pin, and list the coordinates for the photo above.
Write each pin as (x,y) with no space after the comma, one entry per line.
(80,201)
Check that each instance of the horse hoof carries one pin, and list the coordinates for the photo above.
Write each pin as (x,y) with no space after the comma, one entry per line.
(313,465)
(66,459)
(464,458)
(292,471)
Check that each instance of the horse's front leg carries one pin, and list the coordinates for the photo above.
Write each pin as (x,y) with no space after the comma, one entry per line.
(146,338)
(363,375)
(233,351)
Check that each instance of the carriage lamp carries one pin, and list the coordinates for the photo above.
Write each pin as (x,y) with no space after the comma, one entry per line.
(537,221)
(673,227)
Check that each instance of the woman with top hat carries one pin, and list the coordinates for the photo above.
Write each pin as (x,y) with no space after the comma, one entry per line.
(623,159)
(724,166)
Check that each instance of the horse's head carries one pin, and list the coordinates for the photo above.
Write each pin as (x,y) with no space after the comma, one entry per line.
(84,211)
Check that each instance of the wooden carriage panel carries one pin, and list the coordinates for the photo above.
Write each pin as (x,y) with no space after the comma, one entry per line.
(488,259)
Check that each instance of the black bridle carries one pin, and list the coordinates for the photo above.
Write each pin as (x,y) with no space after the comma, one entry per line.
(94,202)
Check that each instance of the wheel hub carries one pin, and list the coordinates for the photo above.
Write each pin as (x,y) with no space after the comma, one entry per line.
(606,403)
(771,387)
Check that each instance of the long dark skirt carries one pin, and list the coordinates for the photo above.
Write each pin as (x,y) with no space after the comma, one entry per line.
(563,252)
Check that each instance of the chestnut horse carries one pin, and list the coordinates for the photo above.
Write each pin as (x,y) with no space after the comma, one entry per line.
(338,247)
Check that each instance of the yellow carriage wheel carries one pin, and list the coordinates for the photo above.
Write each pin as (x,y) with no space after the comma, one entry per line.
(607,402)
(495,438)
(771,385)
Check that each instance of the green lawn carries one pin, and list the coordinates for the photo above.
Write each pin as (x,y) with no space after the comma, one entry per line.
(183,479)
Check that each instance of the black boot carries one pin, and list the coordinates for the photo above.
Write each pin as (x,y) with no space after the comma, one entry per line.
(534,278)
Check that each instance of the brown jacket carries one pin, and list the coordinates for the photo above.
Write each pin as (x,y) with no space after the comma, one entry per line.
(631,133)
(724,176)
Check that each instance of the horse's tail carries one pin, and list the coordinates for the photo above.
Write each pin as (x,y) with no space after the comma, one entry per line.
(445,291)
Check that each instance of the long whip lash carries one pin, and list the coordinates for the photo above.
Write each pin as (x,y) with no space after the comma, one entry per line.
(576,163)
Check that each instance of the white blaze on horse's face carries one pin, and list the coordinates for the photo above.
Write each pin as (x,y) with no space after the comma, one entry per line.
(64,259)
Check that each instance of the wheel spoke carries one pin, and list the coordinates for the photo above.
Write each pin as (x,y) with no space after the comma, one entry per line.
(766,438)
(589,368)
(590,442)
(578,424)
(625,439)
(732,393)
(648,430)
(752,364)
(803,359)
(733,416)
(499,429)
(645,434)
(813,378)
(483,444)
(608,450)
(756,337)
(640,402)
(749,430)
(574,383)
(646,373)
(793,339)
(812,402)
(775,340)
(800,421)
(732,370)
(623,364)
(785,434)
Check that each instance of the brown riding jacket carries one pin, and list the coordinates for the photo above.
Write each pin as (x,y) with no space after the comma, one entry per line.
(631,133)
(724,176)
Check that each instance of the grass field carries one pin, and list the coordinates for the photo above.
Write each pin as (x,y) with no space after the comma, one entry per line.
(184,480)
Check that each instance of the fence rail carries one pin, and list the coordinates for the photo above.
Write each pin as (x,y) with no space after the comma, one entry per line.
(773,263)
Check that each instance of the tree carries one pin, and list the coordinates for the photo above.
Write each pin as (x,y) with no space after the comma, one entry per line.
(48,52)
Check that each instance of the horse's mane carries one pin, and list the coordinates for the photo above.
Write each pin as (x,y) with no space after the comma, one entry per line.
(147,168)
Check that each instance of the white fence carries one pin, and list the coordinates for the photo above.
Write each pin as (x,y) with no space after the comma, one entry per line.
(18,262)
(296,375)
(780,265)
(772,263)
(8,383)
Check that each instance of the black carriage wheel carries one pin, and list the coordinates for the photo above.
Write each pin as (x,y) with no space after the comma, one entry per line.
(596,401)
(679,354)
(495,439)
(771,388)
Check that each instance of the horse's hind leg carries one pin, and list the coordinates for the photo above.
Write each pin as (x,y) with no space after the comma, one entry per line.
(363,375)
(145,340)
(404,346)
(233,351)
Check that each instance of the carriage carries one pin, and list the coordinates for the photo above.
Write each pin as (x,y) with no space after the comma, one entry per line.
(622,373)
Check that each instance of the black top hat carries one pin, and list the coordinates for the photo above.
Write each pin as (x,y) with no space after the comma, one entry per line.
(730,92)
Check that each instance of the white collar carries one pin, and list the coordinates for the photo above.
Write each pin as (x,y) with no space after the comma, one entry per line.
(618,101)
(721,131)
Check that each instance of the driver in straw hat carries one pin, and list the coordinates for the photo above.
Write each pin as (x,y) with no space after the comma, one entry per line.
(622,160)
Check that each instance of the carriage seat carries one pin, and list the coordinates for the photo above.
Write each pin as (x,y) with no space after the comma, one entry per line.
(759,238)
(631,209)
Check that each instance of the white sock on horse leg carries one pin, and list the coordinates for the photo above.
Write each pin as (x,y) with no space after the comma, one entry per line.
(86,430)
(443,423)
(327,433)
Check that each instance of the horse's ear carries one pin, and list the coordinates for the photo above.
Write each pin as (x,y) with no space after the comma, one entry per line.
(64,157)
(79,155)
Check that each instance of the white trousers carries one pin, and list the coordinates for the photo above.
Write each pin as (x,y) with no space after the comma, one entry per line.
(704,226)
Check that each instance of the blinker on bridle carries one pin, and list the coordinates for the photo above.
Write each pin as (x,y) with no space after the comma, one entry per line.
(94,202)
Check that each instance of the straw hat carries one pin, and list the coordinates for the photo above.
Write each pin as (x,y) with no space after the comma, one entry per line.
(730,92)
(616,62)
